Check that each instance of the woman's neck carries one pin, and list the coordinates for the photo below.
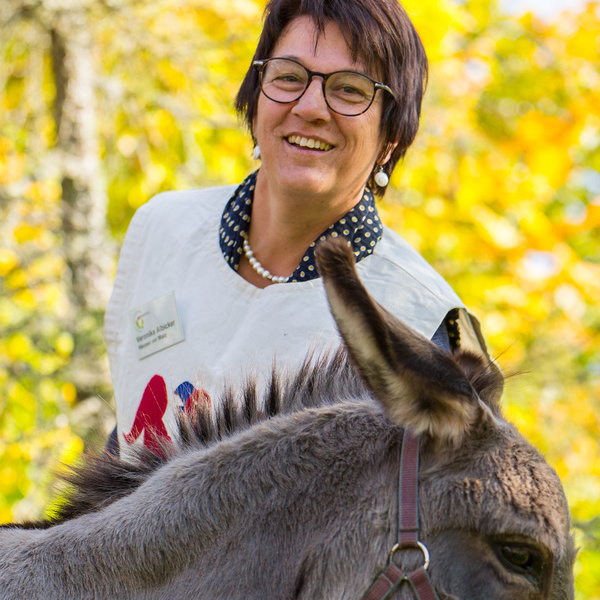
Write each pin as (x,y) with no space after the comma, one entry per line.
(283,227)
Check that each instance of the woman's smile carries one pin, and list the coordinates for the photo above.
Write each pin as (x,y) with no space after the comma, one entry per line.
(308,142)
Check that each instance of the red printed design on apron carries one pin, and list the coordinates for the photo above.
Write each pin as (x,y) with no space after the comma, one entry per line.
(149,417)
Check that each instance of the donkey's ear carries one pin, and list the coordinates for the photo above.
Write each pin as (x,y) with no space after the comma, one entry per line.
(421,386)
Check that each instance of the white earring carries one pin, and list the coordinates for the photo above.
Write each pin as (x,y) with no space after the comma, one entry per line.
(381,178)
(256,152)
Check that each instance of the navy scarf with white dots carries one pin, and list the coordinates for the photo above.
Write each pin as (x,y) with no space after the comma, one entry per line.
(360,226)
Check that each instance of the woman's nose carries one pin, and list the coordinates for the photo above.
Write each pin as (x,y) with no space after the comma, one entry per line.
(311,105)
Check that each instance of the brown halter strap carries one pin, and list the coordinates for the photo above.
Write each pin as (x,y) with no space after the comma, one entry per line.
(408,531)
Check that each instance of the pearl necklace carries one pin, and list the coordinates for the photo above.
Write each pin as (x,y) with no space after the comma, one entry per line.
(259,268)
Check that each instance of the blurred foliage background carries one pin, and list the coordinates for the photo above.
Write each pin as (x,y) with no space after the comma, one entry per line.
(104,103)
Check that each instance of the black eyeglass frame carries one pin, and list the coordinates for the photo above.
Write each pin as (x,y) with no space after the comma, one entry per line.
(259,65)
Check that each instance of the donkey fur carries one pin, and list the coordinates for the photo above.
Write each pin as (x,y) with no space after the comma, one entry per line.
(295,496)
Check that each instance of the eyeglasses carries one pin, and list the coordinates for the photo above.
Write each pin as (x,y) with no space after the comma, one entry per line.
(347,93)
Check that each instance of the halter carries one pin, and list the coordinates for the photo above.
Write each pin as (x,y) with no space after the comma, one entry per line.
(392,576)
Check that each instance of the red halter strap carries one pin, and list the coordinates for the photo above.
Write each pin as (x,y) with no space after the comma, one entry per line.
(408,531)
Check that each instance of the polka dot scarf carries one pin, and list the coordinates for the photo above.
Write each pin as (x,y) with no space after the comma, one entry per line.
(360,226)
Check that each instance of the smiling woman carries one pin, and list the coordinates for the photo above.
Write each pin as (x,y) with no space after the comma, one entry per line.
(302,183)
(332,99)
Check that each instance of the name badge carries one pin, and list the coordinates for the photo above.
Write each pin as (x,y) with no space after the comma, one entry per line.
(156,325)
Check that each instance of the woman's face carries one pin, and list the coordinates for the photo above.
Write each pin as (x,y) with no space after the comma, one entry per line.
(338,172)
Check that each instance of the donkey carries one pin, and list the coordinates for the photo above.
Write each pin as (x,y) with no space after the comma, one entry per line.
(297,496)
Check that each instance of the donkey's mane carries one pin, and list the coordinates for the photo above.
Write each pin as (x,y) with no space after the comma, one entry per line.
(103,479)
(328,379)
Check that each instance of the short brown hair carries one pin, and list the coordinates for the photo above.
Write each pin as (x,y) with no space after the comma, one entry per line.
(378,32)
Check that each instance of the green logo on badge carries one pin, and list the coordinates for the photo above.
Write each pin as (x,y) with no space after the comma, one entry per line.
(139,322)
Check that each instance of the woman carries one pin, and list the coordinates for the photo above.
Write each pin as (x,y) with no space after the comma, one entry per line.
(214,283)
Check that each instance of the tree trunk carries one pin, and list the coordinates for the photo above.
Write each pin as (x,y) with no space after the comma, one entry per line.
(87,251)
(86,245)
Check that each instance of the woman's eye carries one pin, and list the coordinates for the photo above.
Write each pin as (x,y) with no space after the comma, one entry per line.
(518,556)
(348,93)
(350,90)
(288,77)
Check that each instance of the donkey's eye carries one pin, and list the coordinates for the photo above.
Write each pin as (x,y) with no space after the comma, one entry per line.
(528,560)
(520,557)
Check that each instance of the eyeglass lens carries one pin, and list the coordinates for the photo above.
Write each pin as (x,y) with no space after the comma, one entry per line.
(346,92)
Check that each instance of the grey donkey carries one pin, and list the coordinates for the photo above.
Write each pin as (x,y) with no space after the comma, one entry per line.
(295,495)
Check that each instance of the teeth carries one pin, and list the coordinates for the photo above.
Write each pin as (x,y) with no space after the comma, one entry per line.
(308,142)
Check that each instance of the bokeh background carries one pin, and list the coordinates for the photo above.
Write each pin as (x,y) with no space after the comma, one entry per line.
(104,103)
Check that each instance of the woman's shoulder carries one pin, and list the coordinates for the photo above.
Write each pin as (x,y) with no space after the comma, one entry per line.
(176,203)
(401,271)
(393,247)
(179,211)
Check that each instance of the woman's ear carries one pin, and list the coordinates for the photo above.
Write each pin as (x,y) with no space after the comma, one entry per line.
(386,153)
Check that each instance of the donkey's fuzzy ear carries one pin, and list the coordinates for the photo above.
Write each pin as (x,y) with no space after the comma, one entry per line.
(421,386)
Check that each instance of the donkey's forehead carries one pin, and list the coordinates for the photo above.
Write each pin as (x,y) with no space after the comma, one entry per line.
(502,489)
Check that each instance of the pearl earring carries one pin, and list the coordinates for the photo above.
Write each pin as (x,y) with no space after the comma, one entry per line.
(381,178)
(256,152)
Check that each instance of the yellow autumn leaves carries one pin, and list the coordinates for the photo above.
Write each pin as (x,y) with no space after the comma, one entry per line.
(501,192)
